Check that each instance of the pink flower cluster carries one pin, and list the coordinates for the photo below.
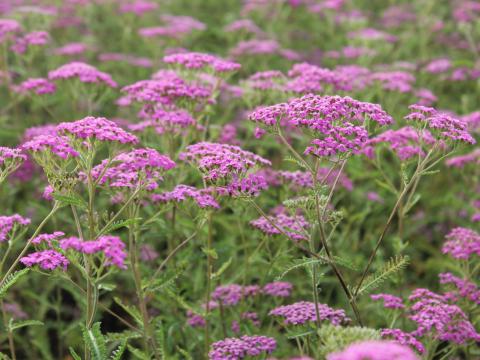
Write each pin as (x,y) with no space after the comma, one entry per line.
(218,161)
(304,311)
(138,7)
(9,154)
(307,78)
(46,259)
(389,301)
(71,49)
(433,315)
(164,91)
(37,38)
(463,160)
(84,72)
(174,27)
(99,129)
(278,289)
(112,248)
(374,350)
(47,238)
(137,168)
(8,26)
(7,223)
(403,338)
(462,243)
(294,226)
(463,288)
(196,61)
(38,85)
(58,145)
(406,142)
(250,185)
(163,121)
(338,121)
(231,295)
(181,193)
(239,348)
(447,126)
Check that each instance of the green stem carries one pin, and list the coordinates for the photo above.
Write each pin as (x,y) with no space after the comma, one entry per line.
(413,181)
(11,343)
(209,283)
(133,252)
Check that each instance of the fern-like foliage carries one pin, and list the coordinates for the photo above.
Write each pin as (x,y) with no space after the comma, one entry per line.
(138,354)
(336,338)
(11,280)
(95,342)
(160,339)
(298,264)
(393,266)
(118,352)
(130,310)
(308,262)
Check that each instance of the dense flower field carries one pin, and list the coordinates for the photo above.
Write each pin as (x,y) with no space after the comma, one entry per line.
(256,179)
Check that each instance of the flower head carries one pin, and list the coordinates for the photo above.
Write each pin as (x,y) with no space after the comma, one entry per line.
(239,348)
(403,338)
(181,193)
(139,167)
(39,86)
(337,123)
(304,311)
(46,259)
(278,289)
(57,145)
(197,61)
(374,350)
(434,316)
(218,161)
(99,129)
(7,224)
(111,246)
(294,226)
(84,72)
(47,238)
(462,243)
(389,301)
(445,125)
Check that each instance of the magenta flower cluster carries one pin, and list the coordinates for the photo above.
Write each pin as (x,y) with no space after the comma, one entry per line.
(7,223)
(436,317)
(338,123)
(406,142)
(197,61)
(304,311)
(181,193)
(389,301)
(294,226)
(84,72)
(403,338)
(57,145)
(219,161)
(137,168)
(239,348)
(446,125)
(461,243)
(9,154)
(374,350)
(110,246)
(94,128)
(39,86)
(46,259)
